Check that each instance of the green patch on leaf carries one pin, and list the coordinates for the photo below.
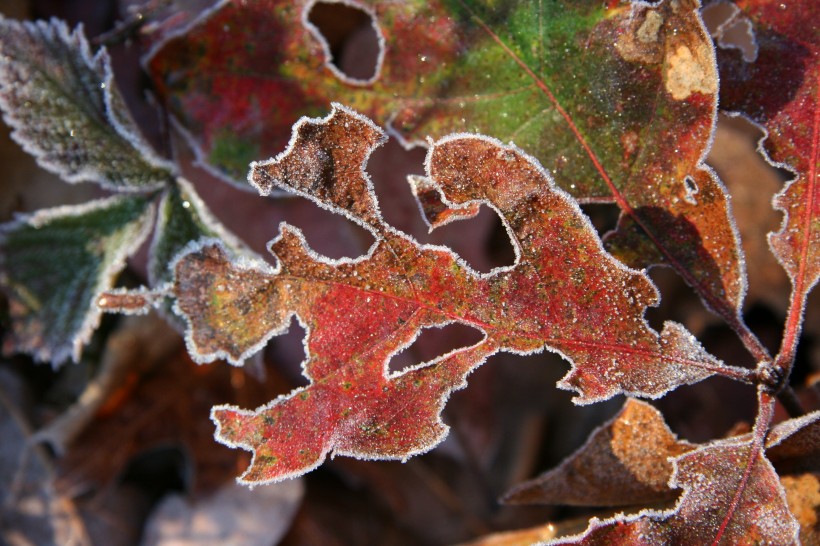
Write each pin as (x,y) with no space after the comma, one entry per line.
(233,153)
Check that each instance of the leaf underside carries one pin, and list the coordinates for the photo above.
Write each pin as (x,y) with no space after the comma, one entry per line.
(731,494)
(710,476)
(624,462)
(57,262)
(565,294)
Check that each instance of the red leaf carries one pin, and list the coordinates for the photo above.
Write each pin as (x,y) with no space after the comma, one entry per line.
(625,461)
(564,293)
(617,101)
(780,90)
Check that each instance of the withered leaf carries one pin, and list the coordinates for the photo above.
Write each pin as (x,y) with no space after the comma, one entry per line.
(731,495)
(624,462)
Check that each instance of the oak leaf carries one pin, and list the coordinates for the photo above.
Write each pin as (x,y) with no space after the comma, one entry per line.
(564,293)
(780,89)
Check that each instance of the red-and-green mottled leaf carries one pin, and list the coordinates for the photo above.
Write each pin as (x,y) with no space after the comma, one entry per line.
(780,89)
(564,293)
(731,495)
(617,101)
(624,462)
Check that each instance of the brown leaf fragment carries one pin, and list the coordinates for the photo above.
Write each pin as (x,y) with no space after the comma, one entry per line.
(793,446)
(624,462)
(433,207)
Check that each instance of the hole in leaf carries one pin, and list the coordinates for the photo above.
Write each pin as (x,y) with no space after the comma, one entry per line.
(717,14)
(481,241)
(287,352)
(350,39)
(691,190)
(434,342)
(604,216)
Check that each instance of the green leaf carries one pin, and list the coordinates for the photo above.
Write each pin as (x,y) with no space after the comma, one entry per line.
(65,110)
(54,265)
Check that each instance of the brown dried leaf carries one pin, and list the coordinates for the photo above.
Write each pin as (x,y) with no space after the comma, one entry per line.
(624,462)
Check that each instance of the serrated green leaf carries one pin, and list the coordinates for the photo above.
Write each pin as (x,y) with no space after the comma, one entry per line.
(65,110)
(54,265)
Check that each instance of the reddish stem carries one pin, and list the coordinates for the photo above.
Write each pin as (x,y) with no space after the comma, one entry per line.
(765,413)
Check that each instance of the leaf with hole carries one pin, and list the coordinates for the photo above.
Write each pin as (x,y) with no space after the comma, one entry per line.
(564,293)
(784,97)
(616,100)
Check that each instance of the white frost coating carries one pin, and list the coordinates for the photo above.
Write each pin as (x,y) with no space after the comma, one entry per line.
(244,262)
(153,299)
(703,166)
(119,117)
(796,178)
(335,107)
(314,30)
(669,328)
(404,346)
(566,198)
(105,280)
(57,34)
(210,221)
(416,182)
(330,449)
(659,516)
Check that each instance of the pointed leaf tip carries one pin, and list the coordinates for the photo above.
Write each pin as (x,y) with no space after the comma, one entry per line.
(63,105)
(56,264)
